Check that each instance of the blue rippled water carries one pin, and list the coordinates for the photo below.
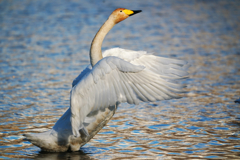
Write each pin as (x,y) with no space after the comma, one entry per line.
(44,45)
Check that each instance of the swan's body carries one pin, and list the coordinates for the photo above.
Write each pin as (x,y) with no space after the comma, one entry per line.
(117,76)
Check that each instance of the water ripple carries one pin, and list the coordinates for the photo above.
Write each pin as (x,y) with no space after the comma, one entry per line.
(45,44)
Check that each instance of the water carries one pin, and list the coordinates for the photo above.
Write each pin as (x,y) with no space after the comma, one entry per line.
(45,44)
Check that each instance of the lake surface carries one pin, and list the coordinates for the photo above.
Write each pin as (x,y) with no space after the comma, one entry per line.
(45,44)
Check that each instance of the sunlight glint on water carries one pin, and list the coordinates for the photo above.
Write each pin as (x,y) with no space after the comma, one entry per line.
(44,45)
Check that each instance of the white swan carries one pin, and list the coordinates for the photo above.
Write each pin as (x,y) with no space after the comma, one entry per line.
(121,76)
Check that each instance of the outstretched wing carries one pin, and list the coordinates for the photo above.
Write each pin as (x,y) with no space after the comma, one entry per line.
(113,80)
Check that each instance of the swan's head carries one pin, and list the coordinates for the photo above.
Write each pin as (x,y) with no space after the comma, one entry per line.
(121,13)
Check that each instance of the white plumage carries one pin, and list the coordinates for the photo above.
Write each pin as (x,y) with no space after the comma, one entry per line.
(124,76)
(117,76)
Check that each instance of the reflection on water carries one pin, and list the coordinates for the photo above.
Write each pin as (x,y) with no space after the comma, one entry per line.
(44,46)
(61,156)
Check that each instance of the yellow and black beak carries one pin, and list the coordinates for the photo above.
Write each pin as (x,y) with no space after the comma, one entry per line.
(135,12)
(131,12)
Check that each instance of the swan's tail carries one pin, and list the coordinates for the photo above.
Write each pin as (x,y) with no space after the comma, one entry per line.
(46,141)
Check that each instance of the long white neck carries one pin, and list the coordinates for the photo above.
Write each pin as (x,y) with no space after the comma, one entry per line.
(96,46)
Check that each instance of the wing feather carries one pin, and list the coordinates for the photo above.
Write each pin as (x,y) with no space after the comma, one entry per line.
(113,80)
(125,90)
(136,89)
(118,88)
